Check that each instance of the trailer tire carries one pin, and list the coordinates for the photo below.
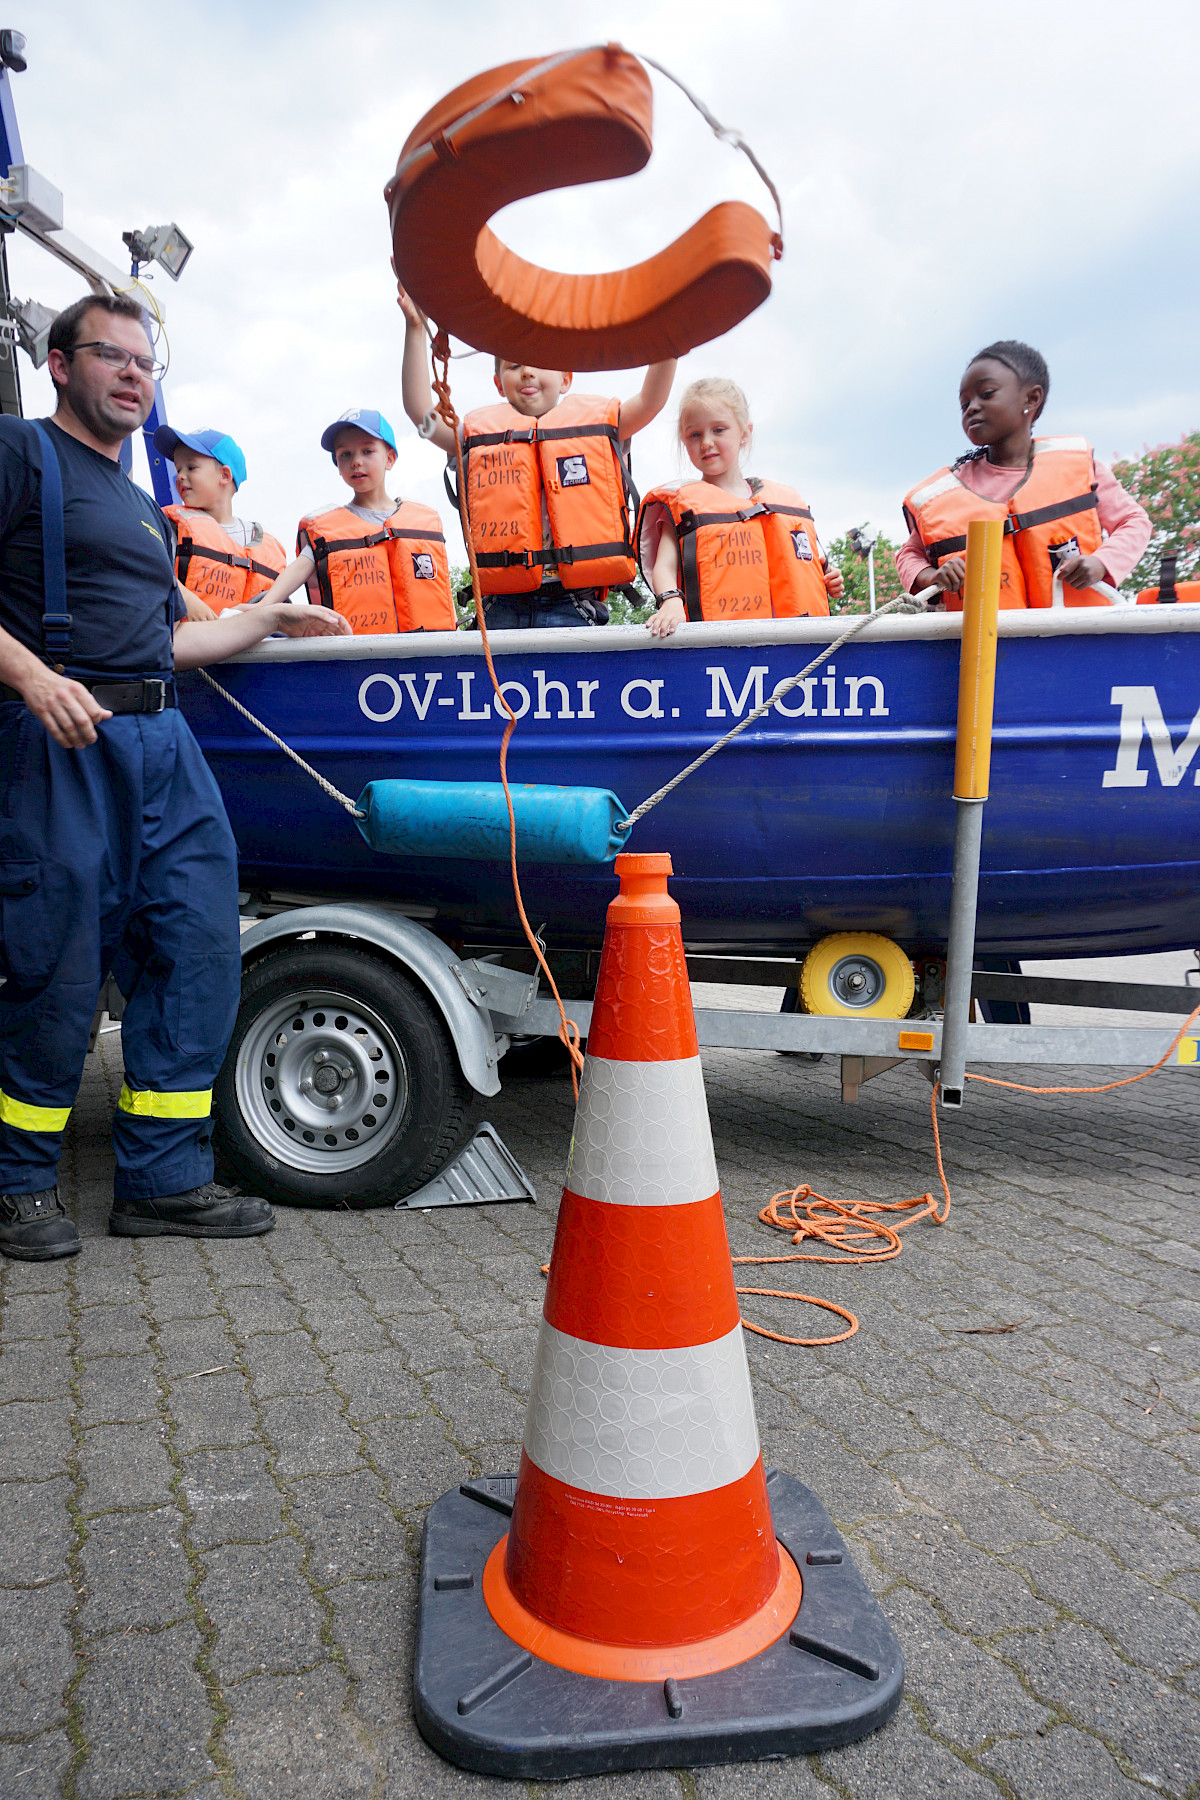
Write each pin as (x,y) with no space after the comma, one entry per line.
(857,975)
(341,1086)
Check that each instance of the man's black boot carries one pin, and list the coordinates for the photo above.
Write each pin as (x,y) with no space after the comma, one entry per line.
(34,1227)
(208,1211)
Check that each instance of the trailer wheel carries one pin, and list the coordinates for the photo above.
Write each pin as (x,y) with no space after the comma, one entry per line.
(859,975)
(341,1086)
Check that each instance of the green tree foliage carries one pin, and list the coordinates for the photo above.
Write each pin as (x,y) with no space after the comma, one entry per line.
(854,573)
(1166,481)
(622,611)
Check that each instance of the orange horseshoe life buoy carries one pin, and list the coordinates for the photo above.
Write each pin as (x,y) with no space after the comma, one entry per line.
(523,129)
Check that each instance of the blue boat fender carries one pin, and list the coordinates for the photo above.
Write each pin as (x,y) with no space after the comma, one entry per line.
(468,820)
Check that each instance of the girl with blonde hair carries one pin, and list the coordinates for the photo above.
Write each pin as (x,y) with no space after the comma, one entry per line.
(726,546)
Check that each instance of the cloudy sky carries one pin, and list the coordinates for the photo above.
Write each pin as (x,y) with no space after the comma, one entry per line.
(950,173)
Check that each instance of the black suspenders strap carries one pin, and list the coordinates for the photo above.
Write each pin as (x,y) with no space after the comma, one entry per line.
(56,620)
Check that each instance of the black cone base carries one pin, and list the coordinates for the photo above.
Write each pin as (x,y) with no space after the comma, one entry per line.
(488,1705)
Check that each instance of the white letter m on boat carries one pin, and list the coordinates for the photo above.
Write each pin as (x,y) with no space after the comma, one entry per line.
(1141,712)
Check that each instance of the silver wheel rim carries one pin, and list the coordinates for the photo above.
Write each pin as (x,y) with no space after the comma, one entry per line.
(322,1082)
(857,981)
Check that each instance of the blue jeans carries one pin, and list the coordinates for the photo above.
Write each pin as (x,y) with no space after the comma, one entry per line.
(517,613)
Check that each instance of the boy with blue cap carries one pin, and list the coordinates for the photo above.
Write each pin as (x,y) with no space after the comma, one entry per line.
(379,562)
(223,560)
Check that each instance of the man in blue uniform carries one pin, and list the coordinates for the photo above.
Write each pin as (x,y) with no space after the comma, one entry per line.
(115,852)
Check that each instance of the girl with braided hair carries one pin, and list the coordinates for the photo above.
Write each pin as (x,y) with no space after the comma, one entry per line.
(1064,512)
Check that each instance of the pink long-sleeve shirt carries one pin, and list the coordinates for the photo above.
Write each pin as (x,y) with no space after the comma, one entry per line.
(1126,524)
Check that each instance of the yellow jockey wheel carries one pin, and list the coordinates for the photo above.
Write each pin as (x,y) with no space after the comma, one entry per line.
(857,974)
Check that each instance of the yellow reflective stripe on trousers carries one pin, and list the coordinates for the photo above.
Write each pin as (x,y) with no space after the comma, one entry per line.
(144,1103)
(32,1118)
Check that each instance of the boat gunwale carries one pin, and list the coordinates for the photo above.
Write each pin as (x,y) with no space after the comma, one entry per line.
(1141,621)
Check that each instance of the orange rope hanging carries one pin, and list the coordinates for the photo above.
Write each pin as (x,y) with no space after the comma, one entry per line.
(1107,1086)
(568,1030)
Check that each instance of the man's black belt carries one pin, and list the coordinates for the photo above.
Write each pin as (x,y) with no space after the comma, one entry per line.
(152,696)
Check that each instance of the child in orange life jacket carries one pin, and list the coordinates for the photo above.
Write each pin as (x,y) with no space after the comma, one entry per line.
(1061,508)
(547,486)
(728,546)
(379,562)
(220,560)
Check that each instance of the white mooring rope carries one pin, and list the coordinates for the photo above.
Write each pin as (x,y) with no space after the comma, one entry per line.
(334,793)
(785,687)
(639,812)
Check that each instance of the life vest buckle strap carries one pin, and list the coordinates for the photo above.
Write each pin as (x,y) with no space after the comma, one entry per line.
(574,553)
(1061,509)
(510,559)
(1167,566)
(217,556)
(519,437)
(954,546)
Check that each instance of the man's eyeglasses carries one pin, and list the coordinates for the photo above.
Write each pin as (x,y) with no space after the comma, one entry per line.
(116,358)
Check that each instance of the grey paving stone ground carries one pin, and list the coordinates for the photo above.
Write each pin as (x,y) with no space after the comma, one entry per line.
(215,1459)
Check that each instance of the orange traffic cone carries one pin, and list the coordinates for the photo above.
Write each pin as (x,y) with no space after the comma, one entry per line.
(641,1543)
(642,1553)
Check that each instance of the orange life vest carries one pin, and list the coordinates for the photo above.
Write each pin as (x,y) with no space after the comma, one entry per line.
(1169,591)
(1053,508)
(215,568)
(383,578)
(756,560)
(572,457)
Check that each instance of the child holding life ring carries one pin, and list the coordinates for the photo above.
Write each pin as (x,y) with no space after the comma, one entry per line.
(1064,512)
(728,546)
(547,484)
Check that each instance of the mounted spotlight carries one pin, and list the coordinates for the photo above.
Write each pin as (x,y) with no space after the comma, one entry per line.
(32,321)
(12,51)
(164,244)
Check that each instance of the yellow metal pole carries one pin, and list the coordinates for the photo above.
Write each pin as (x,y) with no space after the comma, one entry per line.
(977,667)
(972,769)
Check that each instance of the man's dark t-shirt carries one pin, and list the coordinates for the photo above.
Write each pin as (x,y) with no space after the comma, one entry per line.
(121,591)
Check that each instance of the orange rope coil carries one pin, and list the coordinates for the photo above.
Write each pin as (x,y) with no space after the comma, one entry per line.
(851,1228)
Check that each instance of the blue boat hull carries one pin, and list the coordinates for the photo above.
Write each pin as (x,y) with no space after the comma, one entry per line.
(837,817)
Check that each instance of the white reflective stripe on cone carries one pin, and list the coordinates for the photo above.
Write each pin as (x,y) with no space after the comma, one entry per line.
(642,1136)
(641,1424)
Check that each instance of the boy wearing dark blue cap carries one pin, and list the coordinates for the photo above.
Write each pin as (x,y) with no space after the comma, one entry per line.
(220,559)
(379,562)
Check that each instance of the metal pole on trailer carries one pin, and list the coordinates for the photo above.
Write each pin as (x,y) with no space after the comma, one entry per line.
(972,768)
